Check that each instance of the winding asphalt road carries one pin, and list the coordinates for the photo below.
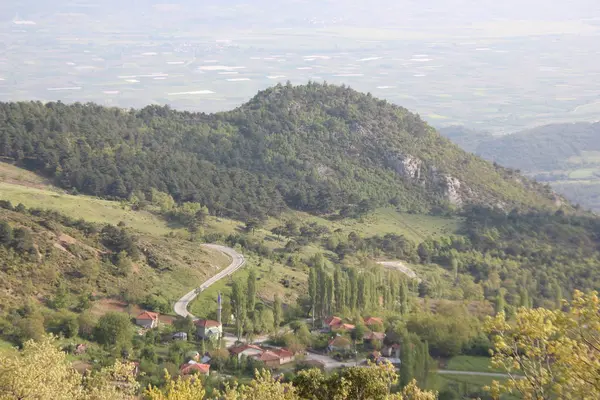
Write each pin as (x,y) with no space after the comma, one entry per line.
(237,262)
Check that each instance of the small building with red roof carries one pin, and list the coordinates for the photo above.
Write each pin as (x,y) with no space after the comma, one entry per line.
(147,319)
(208,329)
(285,356)
(345,327)
(269,358)
(193,367)
(248,350)
(332,323)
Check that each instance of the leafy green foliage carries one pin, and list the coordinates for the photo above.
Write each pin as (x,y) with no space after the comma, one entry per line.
(114,328)
(534,257)
(319,148)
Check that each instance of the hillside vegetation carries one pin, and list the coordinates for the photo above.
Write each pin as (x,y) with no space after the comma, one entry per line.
(314,185)
(565,155)
(317,148)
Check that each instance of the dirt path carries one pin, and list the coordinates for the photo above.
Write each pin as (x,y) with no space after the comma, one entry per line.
(400,266)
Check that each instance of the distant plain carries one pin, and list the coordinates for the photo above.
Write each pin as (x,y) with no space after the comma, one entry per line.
(492,74)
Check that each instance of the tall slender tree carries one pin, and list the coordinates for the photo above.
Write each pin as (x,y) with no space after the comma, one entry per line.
(251,291)
(238,305)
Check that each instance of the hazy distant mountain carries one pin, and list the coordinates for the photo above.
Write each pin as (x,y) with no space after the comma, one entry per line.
(566,155)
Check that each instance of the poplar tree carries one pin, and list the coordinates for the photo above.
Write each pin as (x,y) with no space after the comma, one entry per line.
(238,304)
(403,297)
(251,291)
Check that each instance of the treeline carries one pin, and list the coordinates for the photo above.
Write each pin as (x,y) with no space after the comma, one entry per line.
(352,290)
(521,259)
(318,148)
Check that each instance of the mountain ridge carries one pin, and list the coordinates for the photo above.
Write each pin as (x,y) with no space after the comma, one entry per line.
(317,147)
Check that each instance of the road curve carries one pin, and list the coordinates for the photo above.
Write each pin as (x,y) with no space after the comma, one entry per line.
(237,262)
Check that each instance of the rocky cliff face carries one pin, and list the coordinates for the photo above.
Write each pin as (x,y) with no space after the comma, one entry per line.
(414,169)
(407,166)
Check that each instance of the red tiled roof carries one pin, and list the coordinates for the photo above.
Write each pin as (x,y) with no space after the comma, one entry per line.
(268,356)
(283,353)
(188,368)
(373,321)
(333,321)
(206,323)
(239,349)
(148,315)
(346,327)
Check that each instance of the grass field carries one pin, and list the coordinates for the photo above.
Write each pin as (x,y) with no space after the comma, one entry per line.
(11,173)
(88,208)
(6,347)
(469,384)
(384,220)
(471,363)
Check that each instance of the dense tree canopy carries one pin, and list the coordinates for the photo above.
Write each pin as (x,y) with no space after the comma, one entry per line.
(320,148)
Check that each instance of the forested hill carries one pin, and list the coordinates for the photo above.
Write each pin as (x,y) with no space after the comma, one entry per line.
(319,148)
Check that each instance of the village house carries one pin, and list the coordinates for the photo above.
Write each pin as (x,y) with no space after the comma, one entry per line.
(208,329)
(269,358)
(248,350)
(345,327)
(147,319)
(193,367)
(285,356)
(331,323)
